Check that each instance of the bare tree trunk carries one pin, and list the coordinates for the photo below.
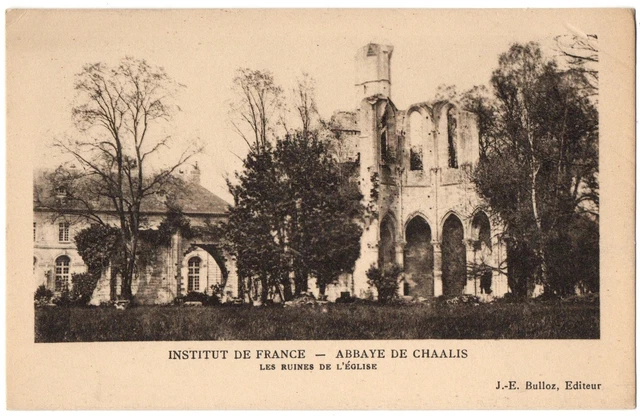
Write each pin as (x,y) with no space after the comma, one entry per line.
(536,215)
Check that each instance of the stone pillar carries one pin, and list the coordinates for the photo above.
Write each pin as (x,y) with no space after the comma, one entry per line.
(473,285)
(368,257)
(102,292)
(437,268)
(500,282)
(400,253)
(232,285)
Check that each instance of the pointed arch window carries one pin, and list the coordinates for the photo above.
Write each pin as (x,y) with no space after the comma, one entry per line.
(384,144)
(452,131)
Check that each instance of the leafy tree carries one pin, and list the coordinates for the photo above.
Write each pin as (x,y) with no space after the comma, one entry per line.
(385,281)
(255,228)
(294,215)
(324,212)
(120,116)
(540,168)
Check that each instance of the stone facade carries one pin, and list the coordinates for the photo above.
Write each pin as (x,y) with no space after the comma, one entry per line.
(419,161)
(185,265)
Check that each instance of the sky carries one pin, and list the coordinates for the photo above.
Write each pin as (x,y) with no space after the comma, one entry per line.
(203,49)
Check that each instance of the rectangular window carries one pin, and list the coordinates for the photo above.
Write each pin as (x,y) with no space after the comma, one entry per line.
(193,276)
(62,273)
(63,232)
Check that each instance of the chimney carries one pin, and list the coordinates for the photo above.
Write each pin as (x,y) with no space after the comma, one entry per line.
(194,174)
(190,173)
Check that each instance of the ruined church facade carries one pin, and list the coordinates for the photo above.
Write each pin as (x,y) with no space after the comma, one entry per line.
(415,169)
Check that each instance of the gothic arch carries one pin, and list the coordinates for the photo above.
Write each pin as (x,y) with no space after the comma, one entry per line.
(388,236)
(414,214)
(454,259)
(419,147)
(458,216)
(480,232)
(418,258)
(480,228)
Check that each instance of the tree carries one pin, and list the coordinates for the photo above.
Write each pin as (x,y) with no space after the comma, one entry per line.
(255,229)
(257,110)
(580,52)
(120,116)
(305,102)
(324,209)
(294,216)
(541,166)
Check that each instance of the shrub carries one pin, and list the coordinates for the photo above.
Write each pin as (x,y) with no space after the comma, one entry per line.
(83,286)
(42,296)
(464,299)
(63,299)
(206,300)
(345,298)
(385,281)
(217,290)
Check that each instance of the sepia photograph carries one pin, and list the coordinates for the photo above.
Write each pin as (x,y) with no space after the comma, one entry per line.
(469,212)
(399,175)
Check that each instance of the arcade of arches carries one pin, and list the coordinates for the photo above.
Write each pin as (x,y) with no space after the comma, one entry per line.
(433,267)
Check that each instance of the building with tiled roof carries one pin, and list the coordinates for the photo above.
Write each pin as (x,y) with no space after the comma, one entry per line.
(186,265)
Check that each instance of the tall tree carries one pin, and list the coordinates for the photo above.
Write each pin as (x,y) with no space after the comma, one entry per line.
(325,209)
(305,101)
(258,107)
(540,171)
(255,229)
(120,115)
(580,53)
(294,216)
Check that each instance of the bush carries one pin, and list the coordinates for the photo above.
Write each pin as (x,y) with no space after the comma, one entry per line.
(464,299)
(42,296)
(385,281)
(83,286)
(206,300)
(63,299)
(345,298)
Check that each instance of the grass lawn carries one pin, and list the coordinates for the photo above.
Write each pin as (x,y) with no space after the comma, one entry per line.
(334,321)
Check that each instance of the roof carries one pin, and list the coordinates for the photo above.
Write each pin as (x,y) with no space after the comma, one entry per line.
(192,198)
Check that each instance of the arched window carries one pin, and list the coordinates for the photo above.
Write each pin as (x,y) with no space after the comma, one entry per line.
(62,273)
(193,283)
(452,132)
(415,152)
(384,145)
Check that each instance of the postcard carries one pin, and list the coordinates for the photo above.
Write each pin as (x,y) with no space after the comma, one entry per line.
(366,209)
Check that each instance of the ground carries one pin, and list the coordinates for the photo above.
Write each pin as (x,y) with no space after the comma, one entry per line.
(528,320)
